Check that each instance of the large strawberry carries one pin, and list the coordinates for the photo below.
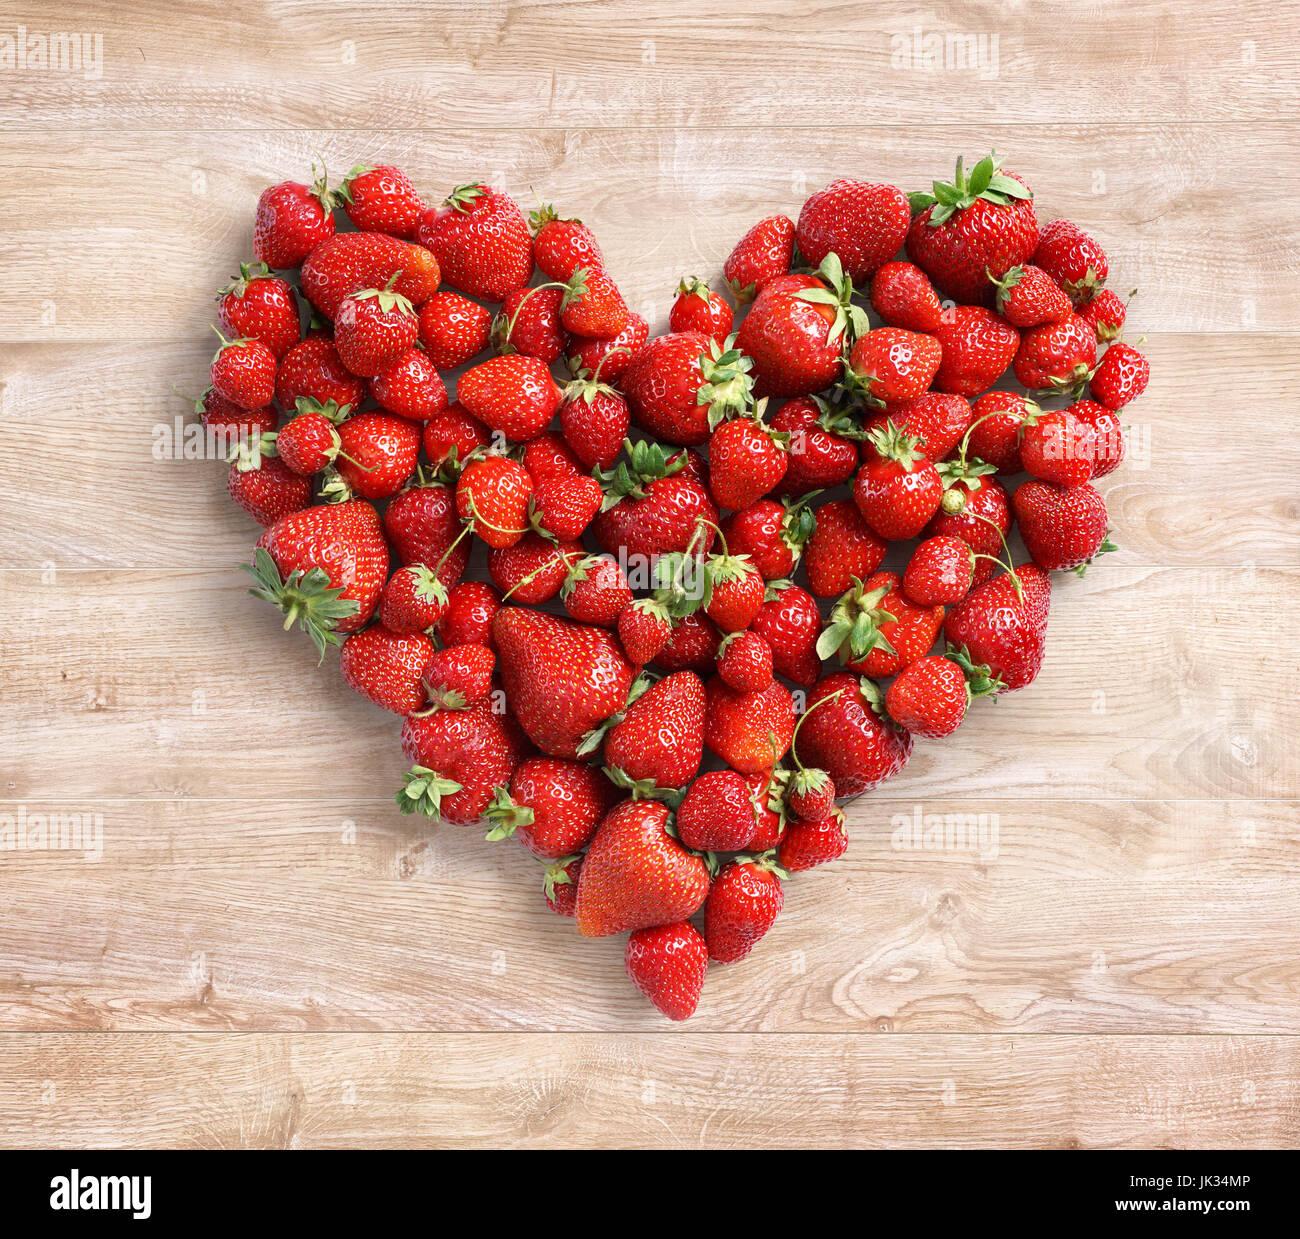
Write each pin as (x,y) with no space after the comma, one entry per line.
(1002,624)
(514,394)
(657,745)
(636,875)
(743,904)
(842,547)
(667,964)
(749,731)
(381,198)
(1061,528)
(844,735)
(552,807)
(352,261)
(387,667)
(461,757)
(680,385)
(481,241)
(977,347)
(292,219)
(423,526)
(762,254)
(652,508)
(864,224)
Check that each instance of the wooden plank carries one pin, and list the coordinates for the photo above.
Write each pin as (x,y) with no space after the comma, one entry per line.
(1029,915)
(1191,224)
(626,1090)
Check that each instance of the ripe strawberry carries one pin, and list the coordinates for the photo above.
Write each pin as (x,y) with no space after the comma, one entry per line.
(996,427)
(743,904)
(892,366)
(324,567)
(978,226)
(380,452)
(313,368)
(564,507)
(790,623)
(1055,446)
(843,734)
(977,345)
(591,305)
(549,458)
(734,591)
(763,253)
(746,461)
(292,220)
(552,808)
(805,845)
(772,534)
(1027,296)
(452,436)
(749,731)
(744,662)
(692,646)
(1073,259)
(608,359)
(810,791)
(769,808)
(901,293)
(459,676)
(667,964)
(654,509)
(373,328)
(679,386)
(644,628)
(596,592)
(471,608)
(256,305)
(698,308)
(1061,528)
(1121,377)
(454,329)
(1106,313)
(308,442)
(532,570)
(938,420)
(1003,628)
(529,323)
(424,527)
(865,225)
(386,667)
(461,757)
(560,885)
(514,394)
(1056,356)
(940,572)
(481,241)
(930,698)
(381,198)
(492,496)
(410,387)
(353,261)
(898,493)
(718,813)
(561,679)
(820,456)
(594,420)
(561,246)
(876,630)
(841,548)
(414,600)
(1108,435)
(268,489)
(226,425)
(657,744)
(243,372)
(636,875)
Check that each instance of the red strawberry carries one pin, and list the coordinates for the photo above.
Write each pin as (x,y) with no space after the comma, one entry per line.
(901,293)
(308,442)
(735,591)
(790,623)
(764,791)
(644,628)
(772,534)
(865,225)
(560,885)
(532,570)
(893,366)
(746,461)
(514,394)
(596,592)
(453,329)
(552,808)
(820,456)
(292,219)
(1028,297)
(548,458)
(718,813)
(995,429)
(810,792)
(492,495)
(930,698)
(1072,258)
(608,359)
(898,493)
(667,964)
(226,425)
(458,676)
(352,261)
(1002,627)
(658,743)
(876,630)
(1055,446)
(410,387)
(267,489)
(698,308)
(461,757)
(1108,435)
(693,645)
(258,306)
(564,507)
(763,253)
(471,608)
(414,600)
(1056,356)
(636,875)
(749,731)
(1061,528)
(529,323)
(561,679)
(977,345)
(380,452)
(453,436)
(424,527)
(324,567)
(591,305)
(940,572)
(313,368)
(678,386)
(381,198)
(1106,313)
(594,420)
(561,246)
(654,509)
(805,845)
(938,420)
(744,662)
(1121,377)
(373,328)
(481,241)
(842,547)
(386,667)
(843,734)
(243,372)
(743,904)
(978,226)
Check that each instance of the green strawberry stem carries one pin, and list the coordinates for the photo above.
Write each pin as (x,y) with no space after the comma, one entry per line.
(422,791)
(306,599)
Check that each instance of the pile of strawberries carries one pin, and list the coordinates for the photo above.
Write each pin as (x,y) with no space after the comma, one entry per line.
(674,627)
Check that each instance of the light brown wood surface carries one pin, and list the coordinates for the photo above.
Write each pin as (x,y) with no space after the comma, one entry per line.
(266,953)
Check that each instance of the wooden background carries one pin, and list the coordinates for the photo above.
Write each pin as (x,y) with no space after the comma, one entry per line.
(268,954)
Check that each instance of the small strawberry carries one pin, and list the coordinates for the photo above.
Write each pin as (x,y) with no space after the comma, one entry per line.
(692,646)
(353,261)
(667,964)
(679,386)
(841,548)
(292,219)
(1027,296)
(591,305)
(414,600)
(1002,624)
(1056,446)
(532,570)
(1108,435)
(459,676)
(1061,528)
(930,698)
(809,790)
(1121,377)
(552,808)
(864,224)
(453,436)
(940,572)
(769,810)
(596,591)
(308,442)
(373,327)
(718,813)
(820,455)
(876,630)
(493,494)
(561,246)
(514,394)
(563,507)
(901,293)
(805,845)
(698,308)
(898,493)
(379,453)
(1073,259)
(977,346)
(844,735)
(594,420)
(461,757)
(656,744)
(1056,356)
(734,590)
(892,366)
(226,425)
(790,623)
(243,372)
(744,662)
(743,904)
(454,329)
(424,527)
(749,731)
(471,608)
(608,358)
(644,628)
(410,387)
(772,534)
(763,253)
(481,241)
(1106,313)
(313,368)
(560,885)
(994,437)
(381,198)
(529,323)
(267,489)
(256,305)
(386,667)
(652,508)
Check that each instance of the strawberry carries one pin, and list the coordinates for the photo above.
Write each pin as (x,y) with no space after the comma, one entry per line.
(790,623)
(938,420)
(608,359)
(561,246)
(820,456)
(692,645)
(268,489)
(471,608)
(1107,432)
(226,425)
(743,904)
(978,226)
(744,662)
(1106,314)
(698,308)
(454,329)
(769,810)
(292,219)
(313,368)
(772,534)
(324,567)
(876,630)
(353,261)
(532,570)
(841,548)
(940,572)
(564,507)
(514,394)
(560,679)
(1056,356)
(381,198)
(380,452)
(996,427)
(373,328)
(746,461)
(1061,528)
(930,698)
(898,493)
(414,600)
(977,347)
(1003,627)
(805,845)
(1121,377)
(492,495)
(679,386)
(256,305)
(529,323)
(652,508)
(552,808)
(1056,446)
(901,293)
(410,387)
(596,592)
(749,731)
(459,676)
(308,442)
(1026,296)
(843,734)
(594,420)
(481,241)
(548,458)
(1073,259)
(718,813)
(386,667)
(864,224)
(424,527)
(892,366)
(667,964)
(560,885)
(644,628)
(763,253)
(591,305)
(658,743)
(734,591)
(461,757)
(452,436)
(636,875)
(243,372)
